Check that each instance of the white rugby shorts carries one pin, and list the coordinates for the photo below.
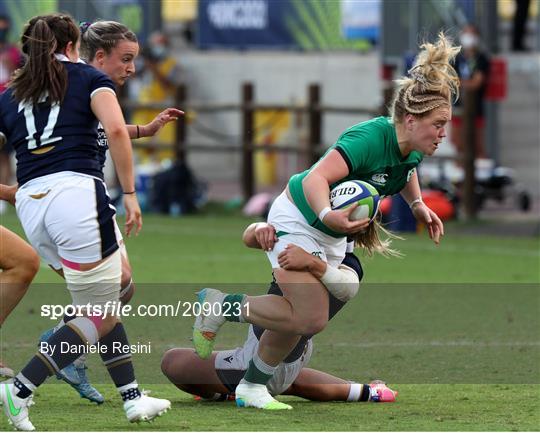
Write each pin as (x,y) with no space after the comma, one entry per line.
(68,216)
(292,228)
(231,365)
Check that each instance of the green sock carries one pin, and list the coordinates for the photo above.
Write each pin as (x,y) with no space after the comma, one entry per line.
(232,307)
(258,371)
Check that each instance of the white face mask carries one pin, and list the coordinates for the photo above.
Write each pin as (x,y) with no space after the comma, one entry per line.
(468,40)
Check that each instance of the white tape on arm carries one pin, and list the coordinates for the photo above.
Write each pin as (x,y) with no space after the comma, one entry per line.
(324,212)
(415,202)
(341,282)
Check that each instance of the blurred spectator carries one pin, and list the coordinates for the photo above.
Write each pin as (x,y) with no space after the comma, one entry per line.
(472,66)
(520,25)
(10,59)
(156,83)
(10,56)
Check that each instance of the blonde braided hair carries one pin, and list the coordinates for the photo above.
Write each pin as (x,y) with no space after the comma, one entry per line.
(432,81)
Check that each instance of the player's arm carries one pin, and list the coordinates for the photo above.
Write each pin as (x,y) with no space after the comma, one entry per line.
(106,108)
(152,128)
(342,282)
(260,235)
(413,196)
(7,193)
(316,187)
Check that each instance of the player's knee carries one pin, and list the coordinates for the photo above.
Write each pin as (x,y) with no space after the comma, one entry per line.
(173,363)
(106,325)
(315,325)
(127,286)
(97,286)
(309,321)
(126,278)
(28,267)
(127,291)
(31,267)
(32,260)
(307,324)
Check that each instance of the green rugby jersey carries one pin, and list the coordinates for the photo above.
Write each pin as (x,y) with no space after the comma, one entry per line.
(372,154)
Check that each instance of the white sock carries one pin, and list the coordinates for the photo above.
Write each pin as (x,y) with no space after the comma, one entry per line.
(356,391)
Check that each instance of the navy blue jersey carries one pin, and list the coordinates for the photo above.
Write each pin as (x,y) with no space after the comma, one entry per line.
(50,139)
(103,145)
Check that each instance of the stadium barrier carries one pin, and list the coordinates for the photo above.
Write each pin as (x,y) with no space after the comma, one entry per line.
(247,107)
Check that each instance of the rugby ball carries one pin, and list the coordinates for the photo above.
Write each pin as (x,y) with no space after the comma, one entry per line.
(356,191)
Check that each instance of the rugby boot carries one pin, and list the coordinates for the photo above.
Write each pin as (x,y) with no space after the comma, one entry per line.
(256,395)
(380,393)
(15,408)
(145,408)
(207,323)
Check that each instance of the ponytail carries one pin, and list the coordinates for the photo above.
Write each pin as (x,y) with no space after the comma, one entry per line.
(43,74)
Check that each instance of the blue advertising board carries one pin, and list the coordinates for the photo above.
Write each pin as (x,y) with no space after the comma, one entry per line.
(286,24)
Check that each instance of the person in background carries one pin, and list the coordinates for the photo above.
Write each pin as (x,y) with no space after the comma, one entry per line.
(519,29)
(10,56)
(156,82)
(472,67)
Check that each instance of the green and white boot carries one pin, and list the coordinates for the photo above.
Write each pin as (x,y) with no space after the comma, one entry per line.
(15,408)
(256,395)
(207,323)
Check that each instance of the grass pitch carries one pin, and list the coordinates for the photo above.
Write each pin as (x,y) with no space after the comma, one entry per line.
(455,329)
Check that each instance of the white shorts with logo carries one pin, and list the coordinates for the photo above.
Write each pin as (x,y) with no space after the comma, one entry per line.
(292,228)
(68,216)
(231,365)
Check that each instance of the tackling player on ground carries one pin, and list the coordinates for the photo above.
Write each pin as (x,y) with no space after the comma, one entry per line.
(217,377)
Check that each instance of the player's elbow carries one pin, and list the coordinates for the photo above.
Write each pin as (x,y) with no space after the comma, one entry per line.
(248,237)
(116,131)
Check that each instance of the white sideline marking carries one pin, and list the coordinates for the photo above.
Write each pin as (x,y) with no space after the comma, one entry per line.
(495,251)
(437,344)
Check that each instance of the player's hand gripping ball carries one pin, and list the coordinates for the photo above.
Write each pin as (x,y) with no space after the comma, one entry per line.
(356,191)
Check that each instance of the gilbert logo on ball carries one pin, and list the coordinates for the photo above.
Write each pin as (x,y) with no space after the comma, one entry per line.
(356,191)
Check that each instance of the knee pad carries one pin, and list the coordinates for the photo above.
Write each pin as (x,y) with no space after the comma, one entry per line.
(342,282)
(95,286)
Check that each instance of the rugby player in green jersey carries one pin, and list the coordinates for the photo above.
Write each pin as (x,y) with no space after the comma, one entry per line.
(384,152)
